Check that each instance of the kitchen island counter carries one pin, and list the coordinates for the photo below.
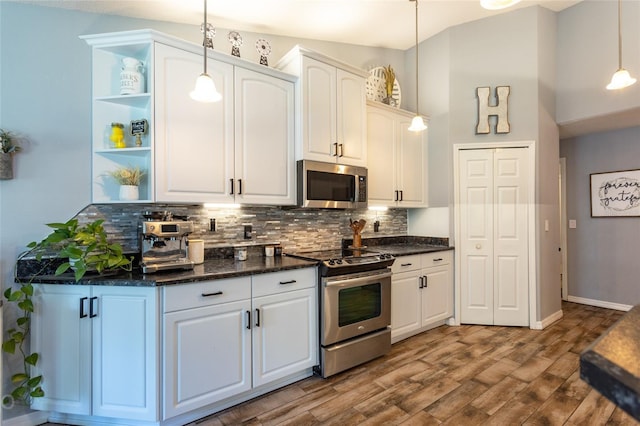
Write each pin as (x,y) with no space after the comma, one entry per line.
(611,365)
(211,269)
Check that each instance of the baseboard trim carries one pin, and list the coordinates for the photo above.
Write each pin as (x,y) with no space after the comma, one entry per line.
(599,303)
(541,325)
(29,419)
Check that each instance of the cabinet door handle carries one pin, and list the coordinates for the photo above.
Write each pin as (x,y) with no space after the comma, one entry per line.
(421,284)
(257,317)
(239,186)
(426,281)
(92,313)
(217,293)
(406,264)
(248,320)
(401,195)
(397,194)
(83,314)
(231,181)
(341,150)
(288,282)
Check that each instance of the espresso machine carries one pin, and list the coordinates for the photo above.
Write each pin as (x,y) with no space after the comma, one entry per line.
(164,242)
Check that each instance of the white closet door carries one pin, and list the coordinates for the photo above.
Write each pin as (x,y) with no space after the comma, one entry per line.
(493,236)
(511,286)
(476,236)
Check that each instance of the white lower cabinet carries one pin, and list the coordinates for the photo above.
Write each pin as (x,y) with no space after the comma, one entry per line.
(421,293)
(226,337)
(98,349)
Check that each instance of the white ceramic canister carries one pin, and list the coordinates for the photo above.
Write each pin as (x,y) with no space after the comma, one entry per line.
(131,77)
(196,251)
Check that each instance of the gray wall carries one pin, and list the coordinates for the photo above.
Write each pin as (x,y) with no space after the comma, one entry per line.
(602,252)
(476,54)
(587,57)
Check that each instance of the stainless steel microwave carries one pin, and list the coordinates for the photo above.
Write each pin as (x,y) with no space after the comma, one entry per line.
(331,186)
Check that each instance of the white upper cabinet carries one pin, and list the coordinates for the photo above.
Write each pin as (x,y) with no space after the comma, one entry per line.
(238,150)
(332,111)
(194,144)
(264,139)
(397,170)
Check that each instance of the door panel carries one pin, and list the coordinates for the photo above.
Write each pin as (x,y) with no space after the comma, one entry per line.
(494,236)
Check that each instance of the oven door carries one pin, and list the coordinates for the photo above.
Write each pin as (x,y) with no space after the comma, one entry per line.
(355,304)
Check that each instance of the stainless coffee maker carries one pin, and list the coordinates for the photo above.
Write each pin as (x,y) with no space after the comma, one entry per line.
(164,242)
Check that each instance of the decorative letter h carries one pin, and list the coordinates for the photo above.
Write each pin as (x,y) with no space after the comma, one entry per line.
(500,110)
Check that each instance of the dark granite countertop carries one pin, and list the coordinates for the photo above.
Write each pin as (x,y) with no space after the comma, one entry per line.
(223,265)
(611,364)
(211,269)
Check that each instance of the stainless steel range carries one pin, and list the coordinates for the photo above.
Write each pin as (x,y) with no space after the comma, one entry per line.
(355,307)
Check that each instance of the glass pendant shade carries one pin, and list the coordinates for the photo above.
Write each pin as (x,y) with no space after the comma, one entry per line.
(417,124)
(497,4)
(620,80)
(205,90)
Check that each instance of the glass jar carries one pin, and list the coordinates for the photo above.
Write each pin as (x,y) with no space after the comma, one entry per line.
(117,135)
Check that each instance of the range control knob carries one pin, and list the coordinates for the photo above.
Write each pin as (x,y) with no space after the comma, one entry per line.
(331,262)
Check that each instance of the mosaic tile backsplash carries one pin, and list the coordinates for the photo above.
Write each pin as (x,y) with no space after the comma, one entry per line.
(295,229)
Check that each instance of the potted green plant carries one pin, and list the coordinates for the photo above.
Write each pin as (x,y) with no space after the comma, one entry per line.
(81,248)
(129,179)
(8,146)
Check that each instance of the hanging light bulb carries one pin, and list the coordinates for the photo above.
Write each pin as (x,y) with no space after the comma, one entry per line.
(621,78)
(417,124)
(497,4)
(205,90)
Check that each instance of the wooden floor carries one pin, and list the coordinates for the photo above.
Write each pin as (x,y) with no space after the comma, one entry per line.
(467,375)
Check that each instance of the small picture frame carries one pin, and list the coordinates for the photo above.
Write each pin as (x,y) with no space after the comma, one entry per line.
(139,128)
(615,194)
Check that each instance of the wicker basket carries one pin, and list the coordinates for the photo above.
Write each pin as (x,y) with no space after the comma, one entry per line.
(6,166)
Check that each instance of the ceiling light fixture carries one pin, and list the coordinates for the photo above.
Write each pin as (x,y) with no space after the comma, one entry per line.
(497,4)
(621,78)
(417,124)
(205,90)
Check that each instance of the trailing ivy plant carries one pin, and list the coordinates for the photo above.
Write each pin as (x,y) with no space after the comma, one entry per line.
(81,249)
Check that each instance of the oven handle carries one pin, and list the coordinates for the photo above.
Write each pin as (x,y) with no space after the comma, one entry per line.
(348,282)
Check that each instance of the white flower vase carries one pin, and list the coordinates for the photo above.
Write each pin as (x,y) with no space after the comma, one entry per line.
(129,193)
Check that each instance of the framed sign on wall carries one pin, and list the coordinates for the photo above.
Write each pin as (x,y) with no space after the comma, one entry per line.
(615,193)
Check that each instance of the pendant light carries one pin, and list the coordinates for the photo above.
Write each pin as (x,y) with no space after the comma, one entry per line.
(417,124)
(497,4)
(205,90)
(621,78)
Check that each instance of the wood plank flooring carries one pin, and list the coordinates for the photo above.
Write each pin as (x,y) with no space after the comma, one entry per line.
(467,375)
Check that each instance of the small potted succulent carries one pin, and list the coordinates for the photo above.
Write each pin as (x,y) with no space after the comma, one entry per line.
(8,146)
(129,179)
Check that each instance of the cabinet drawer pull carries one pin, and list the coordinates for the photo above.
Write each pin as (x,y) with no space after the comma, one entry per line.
(217,293)
(83,314)
(231,181)
(257,317)
(406,264)
(92,314)
(248,320)
(288,282)
(438,259)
